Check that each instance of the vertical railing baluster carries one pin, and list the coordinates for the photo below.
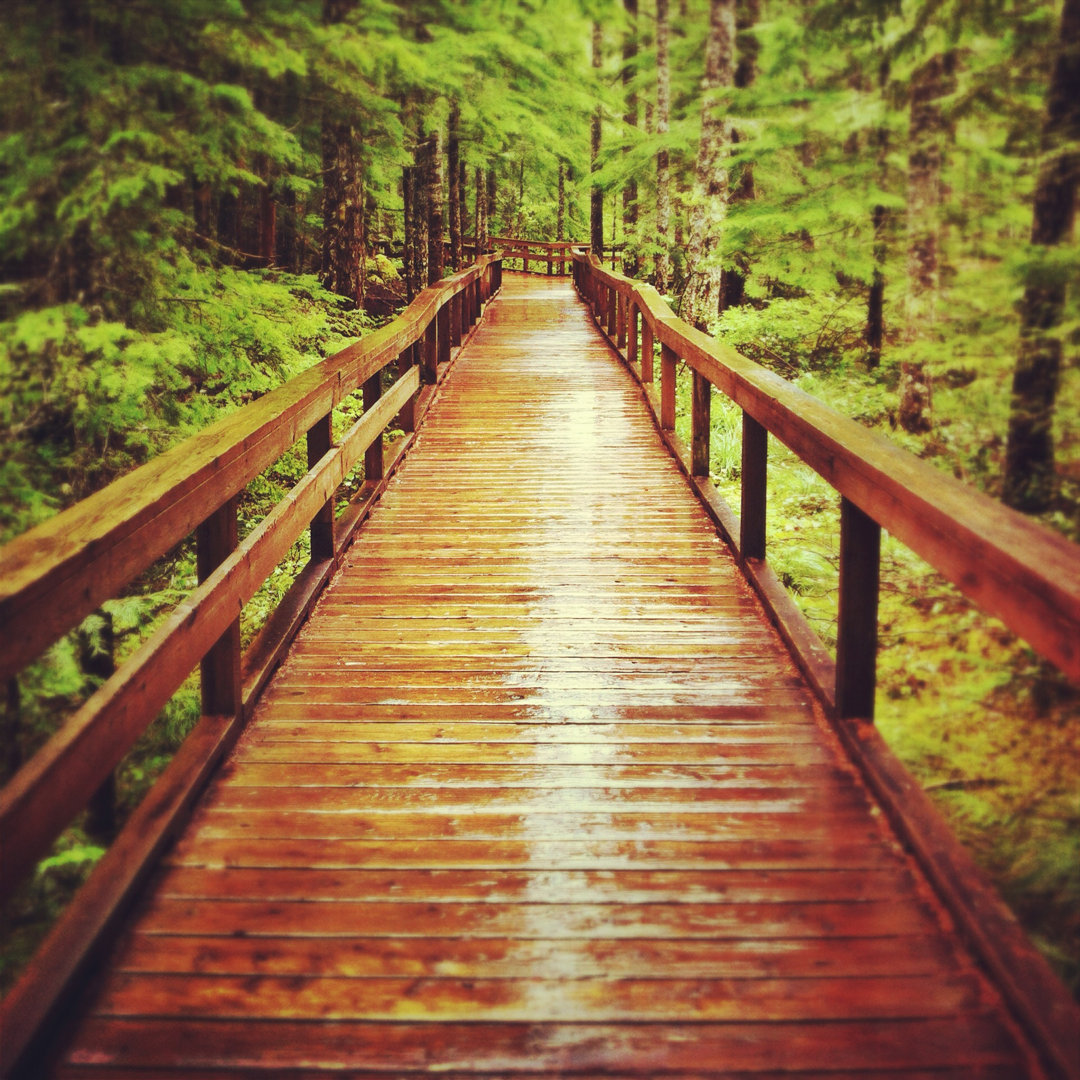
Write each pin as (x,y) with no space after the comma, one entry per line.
(632,332)
(443,322)
(647,350)
(373,456)
(612,311)
(429,367)
(455,320)
(406,417)
(668,359)
(215,539)
(856,633)
(620,321)
(752,508)
(700,417)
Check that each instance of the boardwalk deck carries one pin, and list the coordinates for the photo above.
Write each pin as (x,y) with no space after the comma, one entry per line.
(538,791)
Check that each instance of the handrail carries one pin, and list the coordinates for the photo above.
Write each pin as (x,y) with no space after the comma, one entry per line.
(552,253)
(56,574)
(1013,567)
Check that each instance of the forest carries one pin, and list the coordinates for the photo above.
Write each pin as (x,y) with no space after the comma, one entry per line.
(873,198)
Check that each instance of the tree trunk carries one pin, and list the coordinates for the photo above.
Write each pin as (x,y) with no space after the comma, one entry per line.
(630,119)
(560,220)
(202,201)
(709,206)
(662,267)
(343,207)
(287,249)
(429,157)
(481,212)
(1029,454)
(492,205)
(596,196)
(454,173)
(463,213)
(926,139)
(747,13)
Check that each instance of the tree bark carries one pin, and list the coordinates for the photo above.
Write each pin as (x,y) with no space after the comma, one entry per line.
(709,206)
(630,119)
(429,156)
(747,13)
(481,212)
(926,142)
(596,196)
(662,266)
(1029,454)
(453,161)
(343,208)
(560,219)
(491,204)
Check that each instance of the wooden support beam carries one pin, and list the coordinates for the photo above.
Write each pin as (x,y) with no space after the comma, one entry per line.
(668,360)
(700,426)
(429,364)
(320,438)
(755,446)
(647,351)
(373,456)
(620,321)
(442,321)
(632,333)
(856,633)
(215,540)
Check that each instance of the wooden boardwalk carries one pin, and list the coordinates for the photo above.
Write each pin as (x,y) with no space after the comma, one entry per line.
(538,791)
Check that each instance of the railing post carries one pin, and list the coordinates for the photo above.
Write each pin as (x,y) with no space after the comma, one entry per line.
(667,387)
(856,632)
(373,456)
(612,311)
(443,321)
(632,333)
(646,351)
(620,321)
(455,320)
(320,438)
(699,420)
(429,367)
(215,539)
(406,417)
(525,259)
(752,506)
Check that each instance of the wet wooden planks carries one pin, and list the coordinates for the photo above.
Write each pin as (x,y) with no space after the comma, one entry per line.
(538,792)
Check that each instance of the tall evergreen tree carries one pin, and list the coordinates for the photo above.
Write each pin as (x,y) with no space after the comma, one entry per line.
(711,190)
(1029,460)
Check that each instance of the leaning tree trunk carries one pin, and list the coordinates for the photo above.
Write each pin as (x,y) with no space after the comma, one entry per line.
(709,205)
(630,119)
(662,265)
(926,142)
(596,196)
(1029,452)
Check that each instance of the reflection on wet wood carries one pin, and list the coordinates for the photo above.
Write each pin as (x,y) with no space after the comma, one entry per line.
(537,792)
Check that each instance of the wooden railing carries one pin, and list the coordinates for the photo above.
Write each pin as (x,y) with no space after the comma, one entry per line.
(61,571)
(557,257)
(1012,567)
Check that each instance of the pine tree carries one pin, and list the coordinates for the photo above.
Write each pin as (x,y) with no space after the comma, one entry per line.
(1029,460)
